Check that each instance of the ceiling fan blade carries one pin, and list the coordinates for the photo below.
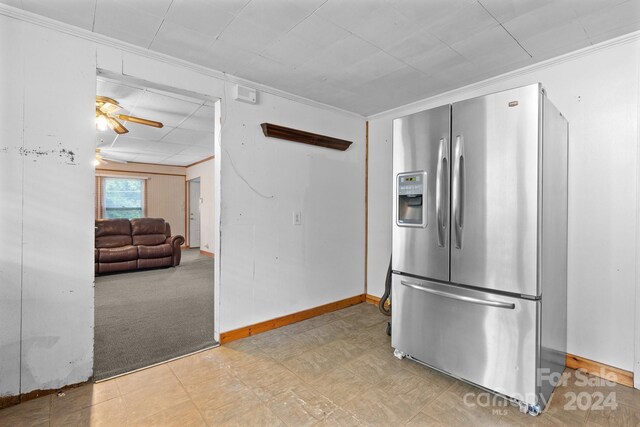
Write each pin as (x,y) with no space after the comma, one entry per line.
(139,121)
(110,108)
(107,105)
(117,126)
(105,99)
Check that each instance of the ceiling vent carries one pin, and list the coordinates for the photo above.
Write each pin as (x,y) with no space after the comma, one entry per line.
(244,94)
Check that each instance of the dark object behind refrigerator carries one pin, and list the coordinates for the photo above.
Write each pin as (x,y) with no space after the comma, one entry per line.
(385,302)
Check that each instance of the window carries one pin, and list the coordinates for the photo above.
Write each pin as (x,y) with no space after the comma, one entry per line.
(123,198)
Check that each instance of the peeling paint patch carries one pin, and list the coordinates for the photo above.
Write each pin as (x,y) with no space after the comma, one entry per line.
(68,156)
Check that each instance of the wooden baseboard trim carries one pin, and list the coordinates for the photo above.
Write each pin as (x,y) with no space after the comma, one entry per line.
(601,370)
(372,299)
(278,322)
(206,253)
(6,401)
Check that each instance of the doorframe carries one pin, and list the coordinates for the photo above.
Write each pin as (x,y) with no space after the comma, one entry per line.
(217,207)
(217,103)
(636,359)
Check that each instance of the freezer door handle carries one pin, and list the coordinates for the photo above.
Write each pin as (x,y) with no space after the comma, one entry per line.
(472,300)
(441,190)
(458,191)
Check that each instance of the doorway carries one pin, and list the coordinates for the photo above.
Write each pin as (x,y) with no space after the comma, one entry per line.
(195,206)
(150,311)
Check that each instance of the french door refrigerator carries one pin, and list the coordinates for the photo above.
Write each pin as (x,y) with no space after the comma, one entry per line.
(480,242)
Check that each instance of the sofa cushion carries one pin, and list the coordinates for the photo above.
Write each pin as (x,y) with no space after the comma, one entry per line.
(123,253)
(111,227)
(108,267)
(113,241)
(149,239)
(154,262)
(158,251)
(141,226)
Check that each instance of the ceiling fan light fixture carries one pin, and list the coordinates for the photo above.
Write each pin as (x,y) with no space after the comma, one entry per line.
(102,123)
(116,126)
(106,117)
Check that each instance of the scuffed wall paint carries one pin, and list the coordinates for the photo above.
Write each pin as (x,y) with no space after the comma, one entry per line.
(11,173)
(57,264)
(47,338)
(68,156)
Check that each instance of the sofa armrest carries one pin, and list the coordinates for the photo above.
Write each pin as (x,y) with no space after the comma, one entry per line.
(175,242)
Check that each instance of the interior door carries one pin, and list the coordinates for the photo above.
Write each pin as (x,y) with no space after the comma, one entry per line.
(495,191)
(421,193)
(194,213)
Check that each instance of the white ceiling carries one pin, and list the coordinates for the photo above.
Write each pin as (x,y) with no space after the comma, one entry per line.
(187,136)
(364,56)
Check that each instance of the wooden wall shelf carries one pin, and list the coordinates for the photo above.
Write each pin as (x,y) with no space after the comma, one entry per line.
(281,132)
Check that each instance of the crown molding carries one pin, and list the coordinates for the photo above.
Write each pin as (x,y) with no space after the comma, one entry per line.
(42,21)
(607,44)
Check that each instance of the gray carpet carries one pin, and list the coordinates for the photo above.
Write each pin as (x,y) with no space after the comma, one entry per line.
(146,317)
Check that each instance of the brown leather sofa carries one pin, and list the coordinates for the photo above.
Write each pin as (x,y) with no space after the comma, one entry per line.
(123,244)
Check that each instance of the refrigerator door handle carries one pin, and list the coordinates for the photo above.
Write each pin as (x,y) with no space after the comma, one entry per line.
(465,298)
(443,166)
(458,191)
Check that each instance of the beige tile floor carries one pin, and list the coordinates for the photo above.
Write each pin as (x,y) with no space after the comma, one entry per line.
(336,369)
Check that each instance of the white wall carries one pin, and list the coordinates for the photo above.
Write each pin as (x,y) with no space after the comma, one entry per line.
(11,182)
(206,172)
(598,92)
(267,267)
(47,81)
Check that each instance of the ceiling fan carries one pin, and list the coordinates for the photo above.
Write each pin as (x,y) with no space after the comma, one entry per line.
(106,117)
(102,159)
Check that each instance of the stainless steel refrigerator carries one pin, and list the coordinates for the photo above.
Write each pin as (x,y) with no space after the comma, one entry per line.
(480,242)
